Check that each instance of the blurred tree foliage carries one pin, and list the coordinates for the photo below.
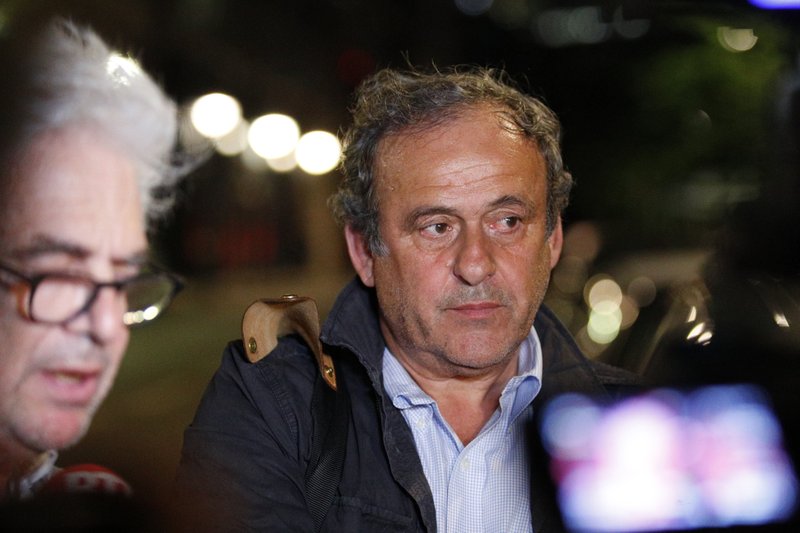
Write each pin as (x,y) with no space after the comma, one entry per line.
(696,136)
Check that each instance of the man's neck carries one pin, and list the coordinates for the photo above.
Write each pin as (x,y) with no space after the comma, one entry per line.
(466,402)
(15,461)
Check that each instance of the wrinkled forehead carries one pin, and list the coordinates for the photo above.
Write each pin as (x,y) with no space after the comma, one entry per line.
(32,165)
(71,183)
(444,128)
(490,115)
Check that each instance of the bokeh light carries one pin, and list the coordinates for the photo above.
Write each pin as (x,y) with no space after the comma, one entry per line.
(604,325)
(569,432)
(252,161)
(583,25)
(630,312)
(736,39)
(776,4)
(318,152)
(274,135)
(216,114)
(283,164)
(604,297)
(603,292)
(235,141)
(473,7)
(668,461)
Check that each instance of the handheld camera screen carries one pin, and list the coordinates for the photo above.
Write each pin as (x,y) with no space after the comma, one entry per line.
(669,460)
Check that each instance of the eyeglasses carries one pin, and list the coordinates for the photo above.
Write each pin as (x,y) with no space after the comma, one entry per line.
(58,298)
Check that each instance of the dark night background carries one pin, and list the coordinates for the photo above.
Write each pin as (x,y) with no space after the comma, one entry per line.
(683,153)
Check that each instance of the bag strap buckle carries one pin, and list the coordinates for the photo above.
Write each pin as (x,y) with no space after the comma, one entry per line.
(267,319)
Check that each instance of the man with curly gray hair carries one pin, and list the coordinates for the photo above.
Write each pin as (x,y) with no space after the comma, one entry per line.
(381,110)
(451,204)
(85,164)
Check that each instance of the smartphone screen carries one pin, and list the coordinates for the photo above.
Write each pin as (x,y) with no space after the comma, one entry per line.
(669,460)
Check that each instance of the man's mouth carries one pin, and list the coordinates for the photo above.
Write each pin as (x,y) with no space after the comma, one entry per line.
(476,309)
(71,386)
(69,376)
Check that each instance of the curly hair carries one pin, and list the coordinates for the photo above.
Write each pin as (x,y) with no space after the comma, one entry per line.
(393,102)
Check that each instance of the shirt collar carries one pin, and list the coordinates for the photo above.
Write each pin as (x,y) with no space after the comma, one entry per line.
(518,393)
(520,390)
(36,473)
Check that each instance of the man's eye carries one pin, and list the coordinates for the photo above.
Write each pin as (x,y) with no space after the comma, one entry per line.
(127,272)
(510,222)
(439,228)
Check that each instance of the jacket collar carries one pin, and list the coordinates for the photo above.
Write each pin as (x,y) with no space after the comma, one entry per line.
(352,324)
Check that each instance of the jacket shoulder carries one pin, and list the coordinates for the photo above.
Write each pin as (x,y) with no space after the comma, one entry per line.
(244,453)
(258,399)
(568,369)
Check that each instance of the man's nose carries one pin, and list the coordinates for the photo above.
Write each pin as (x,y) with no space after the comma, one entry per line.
(103,319)
(106,312)
(474,260)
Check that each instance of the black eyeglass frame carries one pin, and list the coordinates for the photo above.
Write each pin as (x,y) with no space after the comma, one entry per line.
(25,301)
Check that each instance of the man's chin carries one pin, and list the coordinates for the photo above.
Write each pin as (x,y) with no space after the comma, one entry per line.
(58,431)
(480,353)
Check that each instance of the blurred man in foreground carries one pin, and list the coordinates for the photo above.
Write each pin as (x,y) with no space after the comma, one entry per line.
(451,204)
(85,164)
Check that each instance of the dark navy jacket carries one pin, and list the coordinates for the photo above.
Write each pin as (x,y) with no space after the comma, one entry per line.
(245,454)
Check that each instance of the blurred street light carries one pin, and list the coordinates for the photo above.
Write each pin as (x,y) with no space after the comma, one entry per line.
(274,135)
(318,152)
(215,115)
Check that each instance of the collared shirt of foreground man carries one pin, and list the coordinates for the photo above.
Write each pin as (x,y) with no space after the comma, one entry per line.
(85,164)
(451,204)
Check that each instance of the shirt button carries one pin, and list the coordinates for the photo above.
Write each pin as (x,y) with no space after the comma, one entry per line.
(464,464)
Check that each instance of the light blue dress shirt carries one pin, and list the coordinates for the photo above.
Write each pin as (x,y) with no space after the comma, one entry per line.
(483,486)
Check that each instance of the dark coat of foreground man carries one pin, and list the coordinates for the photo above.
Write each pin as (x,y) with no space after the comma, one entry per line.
(245,454)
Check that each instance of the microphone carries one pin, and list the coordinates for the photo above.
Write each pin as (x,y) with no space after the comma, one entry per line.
(86,479)
(84,497)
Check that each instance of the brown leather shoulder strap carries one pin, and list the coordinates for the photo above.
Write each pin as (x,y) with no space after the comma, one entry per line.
(267,319)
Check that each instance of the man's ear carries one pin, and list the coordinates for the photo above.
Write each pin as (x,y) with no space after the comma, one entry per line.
(360,255)
(556,242)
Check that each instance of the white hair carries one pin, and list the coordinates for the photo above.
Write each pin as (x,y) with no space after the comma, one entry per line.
(76,80)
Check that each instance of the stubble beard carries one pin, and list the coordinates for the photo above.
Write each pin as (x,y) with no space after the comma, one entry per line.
(431,346)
